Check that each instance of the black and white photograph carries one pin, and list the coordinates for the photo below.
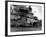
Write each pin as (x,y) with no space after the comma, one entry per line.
(25,18)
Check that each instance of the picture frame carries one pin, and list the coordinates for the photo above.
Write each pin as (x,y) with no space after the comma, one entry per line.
(7,17)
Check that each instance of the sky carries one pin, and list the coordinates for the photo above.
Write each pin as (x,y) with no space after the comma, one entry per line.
(37,10)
